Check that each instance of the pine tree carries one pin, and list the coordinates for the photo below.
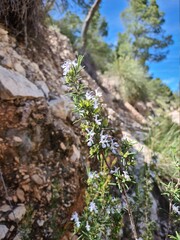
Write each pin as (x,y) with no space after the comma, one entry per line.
(143,21)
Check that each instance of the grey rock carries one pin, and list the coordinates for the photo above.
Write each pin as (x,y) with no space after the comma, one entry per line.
(7,62)
(18,237)
(61,107)
(40,222)
(19,68)
(18,213)
(5,208)
(13,85)
(3,231)
(42,86)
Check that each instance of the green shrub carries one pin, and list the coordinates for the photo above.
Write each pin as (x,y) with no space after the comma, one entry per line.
(164,139)
(132,79)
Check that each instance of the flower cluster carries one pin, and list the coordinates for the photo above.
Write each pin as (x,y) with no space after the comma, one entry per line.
(75,218)
(68,65)
(175,209)
(102,212)
(93,207)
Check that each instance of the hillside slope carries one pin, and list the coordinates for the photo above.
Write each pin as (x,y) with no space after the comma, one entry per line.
(43,157)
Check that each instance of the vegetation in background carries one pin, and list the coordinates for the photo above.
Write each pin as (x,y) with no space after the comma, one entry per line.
(164,140)
(133,77)
(143,21)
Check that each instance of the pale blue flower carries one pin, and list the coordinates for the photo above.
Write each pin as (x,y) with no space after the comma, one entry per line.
(115,171)
(89,95)
(175,209)
(93,175)
(87,226)
(108,231)
(97,121)
(114,146)
(104,140)
(67,65)
(75,218)
(108,210)
(96,104)
(90,134)
(126,175)
(93,207)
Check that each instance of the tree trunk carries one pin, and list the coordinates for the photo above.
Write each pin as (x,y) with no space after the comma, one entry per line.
(86,23)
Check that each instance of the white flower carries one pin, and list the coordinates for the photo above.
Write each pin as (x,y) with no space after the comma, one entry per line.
(115,171)
(75,218)
(92,175)
(81,112)
(98,121)
(176,209)
(108,231)
(90,142)
(108,210)
(68,65)
(104,140)
(90,134)
(87,226)
(126,175)
(96,104)
(119,207)
(114,146)
(98,94)
(93,207)
(89,95)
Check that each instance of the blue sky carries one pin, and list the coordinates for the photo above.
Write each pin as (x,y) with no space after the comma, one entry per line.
(169,69)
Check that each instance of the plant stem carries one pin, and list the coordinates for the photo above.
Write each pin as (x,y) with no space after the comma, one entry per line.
(129,212)
(121,186)
(169,217)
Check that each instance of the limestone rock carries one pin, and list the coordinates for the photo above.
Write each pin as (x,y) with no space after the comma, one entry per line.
(19,68)
(5,208)
(7,62)
(18,237)
(3,35)
(17,213)
(13,85)
(61,107)
(40,222)
(175,116)
(135,113)
(3,231)
(141,107)
(17,141)
(20,194)
(42,86)
(76,153)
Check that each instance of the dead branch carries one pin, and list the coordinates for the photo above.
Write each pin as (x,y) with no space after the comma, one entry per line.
(87,21)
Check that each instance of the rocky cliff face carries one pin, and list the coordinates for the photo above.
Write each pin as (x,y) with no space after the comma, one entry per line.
(41,164)
(43,157)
